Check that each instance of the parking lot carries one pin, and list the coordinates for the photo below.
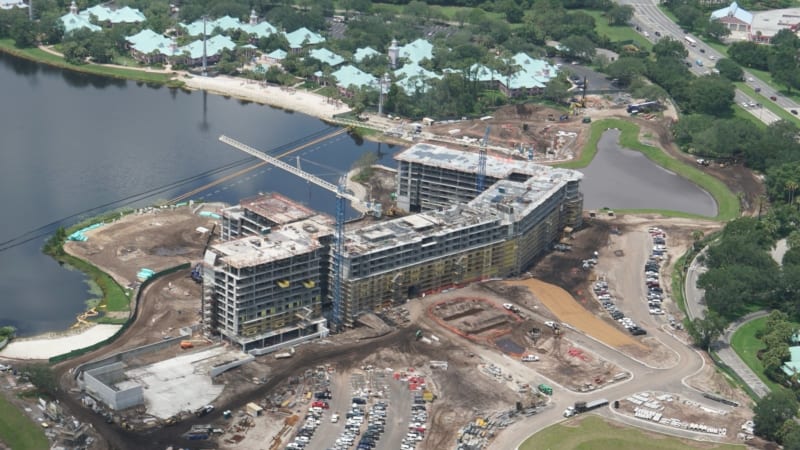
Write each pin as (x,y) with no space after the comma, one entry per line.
(366,410)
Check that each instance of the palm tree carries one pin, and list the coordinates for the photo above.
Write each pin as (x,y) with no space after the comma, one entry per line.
(791,187)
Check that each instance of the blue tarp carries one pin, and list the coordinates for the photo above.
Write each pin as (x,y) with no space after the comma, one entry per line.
(79,236)
(210,214)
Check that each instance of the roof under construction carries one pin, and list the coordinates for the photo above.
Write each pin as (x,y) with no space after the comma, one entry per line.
(467,162)
(277,208)
(506,201)
(284,242)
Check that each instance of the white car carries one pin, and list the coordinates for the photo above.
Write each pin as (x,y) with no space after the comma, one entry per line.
(712,57)
(550,323)
(530,358)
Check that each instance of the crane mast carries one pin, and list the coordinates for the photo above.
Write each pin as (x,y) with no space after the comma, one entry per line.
(341,196)
(481,181)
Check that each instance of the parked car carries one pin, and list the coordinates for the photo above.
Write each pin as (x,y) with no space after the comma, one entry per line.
(530,358)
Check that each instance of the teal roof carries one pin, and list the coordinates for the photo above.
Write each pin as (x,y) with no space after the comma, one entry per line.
(74,22)
(262,29)
(349,75)
(148,41)
(531,73)
(277,55)
(365,52)
(417,51)
(792,366)
(326,56)
(301,36)
(121,15)
(413,76)
(214,45)
(227,23)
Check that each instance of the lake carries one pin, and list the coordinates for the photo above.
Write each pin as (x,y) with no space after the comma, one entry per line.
(76,145)
(619,178)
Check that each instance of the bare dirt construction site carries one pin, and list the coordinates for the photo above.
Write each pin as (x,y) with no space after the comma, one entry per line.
(153,238)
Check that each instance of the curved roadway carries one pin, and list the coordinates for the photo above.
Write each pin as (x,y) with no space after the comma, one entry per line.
(670,379)
(695,307)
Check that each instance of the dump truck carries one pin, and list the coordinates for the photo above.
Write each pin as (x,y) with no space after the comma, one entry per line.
(581,407)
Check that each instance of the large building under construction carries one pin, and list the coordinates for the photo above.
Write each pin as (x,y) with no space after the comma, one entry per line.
(264,284)
(460,235)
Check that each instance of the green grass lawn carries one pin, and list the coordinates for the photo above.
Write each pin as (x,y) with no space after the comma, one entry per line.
(747,346)
(36,54)
(593,433)
(618,33)
(18,431)
(727,202)
(447,12)
(114,297)
(741,113)
(768,104)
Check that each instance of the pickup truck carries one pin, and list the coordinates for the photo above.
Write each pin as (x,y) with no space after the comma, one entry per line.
(530,358)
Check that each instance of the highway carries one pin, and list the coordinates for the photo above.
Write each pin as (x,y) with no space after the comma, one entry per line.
(651,20)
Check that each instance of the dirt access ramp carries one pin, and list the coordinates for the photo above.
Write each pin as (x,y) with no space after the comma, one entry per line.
(569,311)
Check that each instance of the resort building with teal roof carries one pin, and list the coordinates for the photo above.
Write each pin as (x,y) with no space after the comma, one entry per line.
(301,37)
(363,53)
(326,56)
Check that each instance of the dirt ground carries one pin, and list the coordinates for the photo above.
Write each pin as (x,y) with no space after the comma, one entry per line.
(155,238)
(685,412)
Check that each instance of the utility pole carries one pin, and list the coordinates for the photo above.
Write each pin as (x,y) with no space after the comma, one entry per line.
(30,10)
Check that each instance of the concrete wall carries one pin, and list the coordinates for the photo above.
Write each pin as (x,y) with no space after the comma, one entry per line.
(322,332)
(116,399)
(121,356)
(228,366)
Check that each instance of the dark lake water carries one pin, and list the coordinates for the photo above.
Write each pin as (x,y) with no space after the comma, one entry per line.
(625,179)
(75,145)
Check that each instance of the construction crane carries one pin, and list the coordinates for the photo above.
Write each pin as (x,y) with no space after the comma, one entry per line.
(341,196)
(482,162)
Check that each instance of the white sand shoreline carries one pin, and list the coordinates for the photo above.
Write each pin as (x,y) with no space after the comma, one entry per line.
(45,346)
(301,101)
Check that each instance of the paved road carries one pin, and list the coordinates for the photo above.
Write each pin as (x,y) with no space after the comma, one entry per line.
(650,19)
(695,307)
(644,378)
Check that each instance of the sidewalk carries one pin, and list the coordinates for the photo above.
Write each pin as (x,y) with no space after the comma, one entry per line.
(696,308)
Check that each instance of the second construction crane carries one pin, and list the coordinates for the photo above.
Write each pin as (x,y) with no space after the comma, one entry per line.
(341,196)
(481,179)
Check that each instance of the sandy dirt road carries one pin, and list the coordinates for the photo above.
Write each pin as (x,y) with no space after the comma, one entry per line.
(560,303)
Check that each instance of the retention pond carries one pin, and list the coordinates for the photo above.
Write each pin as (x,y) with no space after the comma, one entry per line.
(619,178)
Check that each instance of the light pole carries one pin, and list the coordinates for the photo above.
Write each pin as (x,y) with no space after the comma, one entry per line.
(381,81)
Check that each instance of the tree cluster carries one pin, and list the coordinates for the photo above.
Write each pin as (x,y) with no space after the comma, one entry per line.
(780,58)
(742,275)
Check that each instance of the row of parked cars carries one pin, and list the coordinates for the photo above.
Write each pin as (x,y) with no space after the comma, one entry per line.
(607,300)
(416,427)
(655,294)
(312,421)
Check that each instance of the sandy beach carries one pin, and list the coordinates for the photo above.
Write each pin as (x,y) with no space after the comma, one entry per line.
(47,347)
(287,98)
